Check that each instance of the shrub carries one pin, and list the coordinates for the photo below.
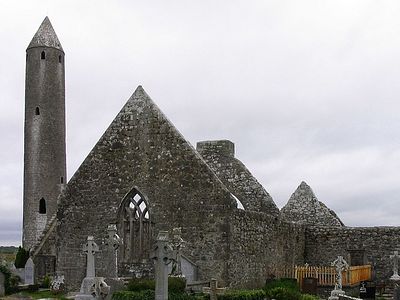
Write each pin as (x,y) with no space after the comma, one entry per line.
(46,282)
(176,284)
(10,281)
(288,283)
(21,257)
(242,295)
(308,297)
(184,296)
(32,288)
(149,295)
(129,295)
(283,293)
(140,284)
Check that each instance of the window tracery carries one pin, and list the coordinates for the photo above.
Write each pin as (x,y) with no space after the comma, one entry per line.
(135,228)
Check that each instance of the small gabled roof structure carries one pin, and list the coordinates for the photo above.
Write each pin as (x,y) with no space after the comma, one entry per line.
(304,207)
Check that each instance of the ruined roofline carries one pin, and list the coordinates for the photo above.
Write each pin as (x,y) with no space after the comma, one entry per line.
(140,95)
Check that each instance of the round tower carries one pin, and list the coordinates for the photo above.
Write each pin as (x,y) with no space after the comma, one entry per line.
(44,136)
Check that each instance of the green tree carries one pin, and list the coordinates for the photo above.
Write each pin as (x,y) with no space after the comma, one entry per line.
(21,257)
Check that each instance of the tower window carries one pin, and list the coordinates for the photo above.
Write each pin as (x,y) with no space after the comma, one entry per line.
(42,206)
(43,55)
(59,59)
(62,179)
(37,111)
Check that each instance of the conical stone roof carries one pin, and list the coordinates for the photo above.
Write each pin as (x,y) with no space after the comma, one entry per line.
(45,37)
(304,207)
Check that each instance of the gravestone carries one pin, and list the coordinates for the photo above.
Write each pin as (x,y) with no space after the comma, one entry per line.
(309,285)
(162,255)
(29,277)
(395,259)
(340,265)
(370,290)
(92,287)
(213,290)
(90,248)
(57,284)
(396,292)
(2,283)
(111,252)
(177,245)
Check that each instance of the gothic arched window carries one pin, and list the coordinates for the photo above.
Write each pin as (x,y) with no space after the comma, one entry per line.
(135,228)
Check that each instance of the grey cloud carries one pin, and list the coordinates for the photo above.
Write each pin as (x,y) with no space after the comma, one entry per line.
(307,90)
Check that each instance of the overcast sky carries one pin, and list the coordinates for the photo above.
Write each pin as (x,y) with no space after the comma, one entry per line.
(307,90)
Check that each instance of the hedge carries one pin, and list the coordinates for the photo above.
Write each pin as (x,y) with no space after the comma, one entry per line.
(150,295)
(175,284)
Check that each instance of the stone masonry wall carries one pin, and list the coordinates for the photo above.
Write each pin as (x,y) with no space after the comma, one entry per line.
(141,149)
(261,246)
(304,207)
(324,244)
(220,156)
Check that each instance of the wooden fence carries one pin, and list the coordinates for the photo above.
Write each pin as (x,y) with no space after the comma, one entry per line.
(326,276)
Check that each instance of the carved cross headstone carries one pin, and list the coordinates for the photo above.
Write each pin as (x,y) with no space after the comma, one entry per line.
(341,265)
(113,241)
(177,245)
(90,248)
(213,290)
(29,272)
(162,255)
(395,258)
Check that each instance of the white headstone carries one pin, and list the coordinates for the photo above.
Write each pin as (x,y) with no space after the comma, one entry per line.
(395,258)
(341,265)
(90,248)
(29,272)
(2,288)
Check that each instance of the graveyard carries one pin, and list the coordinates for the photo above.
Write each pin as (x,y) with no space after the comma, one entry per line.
(148,216)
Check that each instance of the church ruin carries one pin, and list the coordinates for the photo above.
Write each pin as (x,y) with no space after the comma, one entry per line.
(143,177)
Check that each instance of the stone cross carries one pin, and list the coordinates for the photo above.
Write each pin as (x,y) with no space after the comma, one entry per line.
(341,265)
(113,241)
(90,248)
(162,255)
(213,290)
(395,258)
(177,245)
(2,287)
(29,272)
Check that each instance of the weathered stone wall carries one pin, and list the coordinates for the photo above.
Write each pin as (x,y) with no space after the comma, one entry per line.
(324,244)
(142,149)
(220,156)
(44,253)
(304,207)
(261,246)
